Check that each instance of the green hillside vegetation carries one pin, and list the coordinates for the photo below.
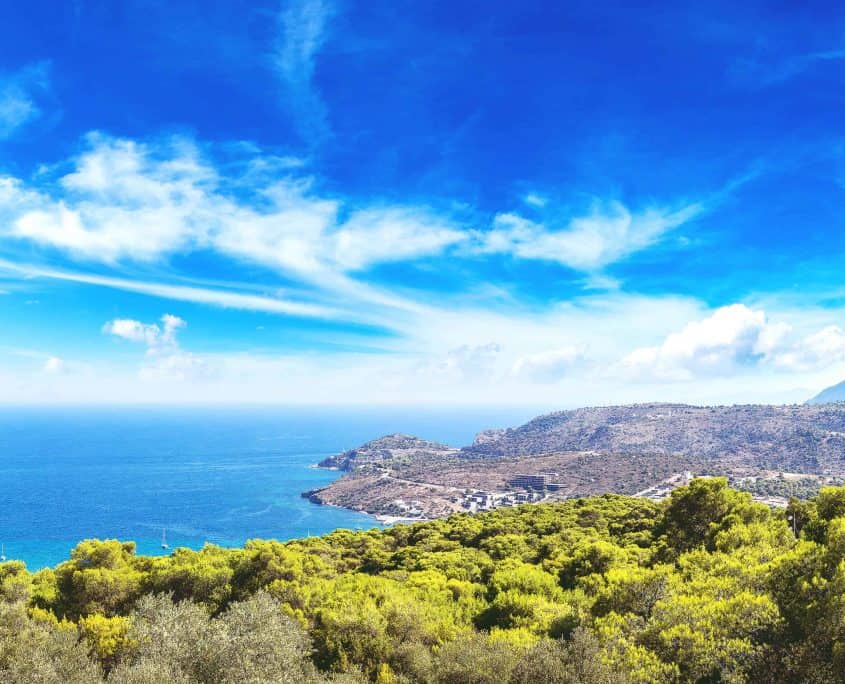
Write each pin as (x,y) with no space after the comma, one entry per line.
(704,587)
(799,488)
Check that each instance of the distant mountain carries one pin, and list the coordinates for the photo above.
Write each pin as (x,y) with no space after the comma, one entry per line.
(829,395)
(803,438)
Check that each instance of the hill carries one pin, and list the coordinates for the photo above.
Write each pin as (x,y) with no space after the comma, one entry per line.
(765,436)
(644,449)
(704,587)
(395,448)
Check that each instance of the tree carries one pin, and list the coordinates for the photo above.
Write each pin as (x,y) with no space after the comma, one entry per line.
(474,659)
(581,660)
(696,512)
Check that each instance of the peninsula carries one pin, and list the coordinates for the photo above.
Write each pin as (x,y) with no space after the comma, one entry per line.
(643,450)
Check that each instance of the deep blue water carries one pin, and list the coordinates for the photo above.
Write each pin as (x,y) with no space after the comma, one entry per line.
(222,475)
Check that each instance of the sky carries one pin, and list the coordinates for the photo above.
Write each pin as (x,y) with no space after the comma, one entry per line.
(335,202)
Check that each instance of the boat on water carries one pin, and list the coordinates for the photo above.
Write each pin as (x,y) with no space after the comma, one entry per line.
(164,543)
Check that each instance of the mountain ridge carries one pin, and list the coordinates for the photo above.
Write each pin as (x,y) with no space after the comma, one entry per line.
(770,433)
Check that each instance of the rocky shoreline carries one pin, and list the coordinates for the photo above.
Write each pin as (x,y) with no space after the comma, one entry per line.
(313,495)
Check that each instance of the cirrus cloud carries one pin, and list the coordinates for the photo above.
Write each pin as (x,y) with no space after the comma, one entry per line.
(610,232)
(19,94)
(127,201)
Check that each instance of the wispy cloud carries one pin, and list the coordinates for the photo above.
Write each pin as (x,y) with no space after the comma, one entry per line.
(765,71)
(49,364)
(125,206)
(19,94)
(473,363)
(227,299)
(550,365)
(608,233)
(302,32)
(127,201)
(53,365)
(534,199)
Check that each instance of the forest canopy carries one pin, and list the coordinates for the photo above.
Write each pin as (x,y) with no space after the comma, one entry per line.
(706,586)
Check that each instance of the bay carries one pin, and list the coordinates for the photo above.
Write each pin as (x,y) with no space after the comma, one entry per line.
(220,475)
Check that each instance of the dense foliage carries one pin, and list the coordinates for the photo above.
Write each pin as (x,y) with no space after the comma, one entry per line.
(704,587)
(800,488)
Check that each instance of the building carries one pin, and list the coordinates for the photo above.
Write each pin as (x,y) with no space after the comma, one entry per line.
(537,482)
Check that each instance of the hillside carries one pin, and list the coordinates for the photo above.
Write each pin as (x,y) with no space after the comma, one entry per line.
(705,587)
(395,448)
(783,437)
(643,449)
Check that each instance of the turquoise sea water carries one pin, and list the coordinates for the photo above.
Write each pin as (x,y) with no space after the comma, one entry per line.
(220,475)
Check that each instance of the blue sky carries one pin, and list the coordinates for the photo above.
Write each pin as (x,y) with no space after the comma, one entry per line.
(552,204)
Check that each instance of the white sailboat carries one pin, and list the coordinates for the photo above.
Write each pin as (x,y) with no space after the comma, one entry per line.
(164,543)
(2,553)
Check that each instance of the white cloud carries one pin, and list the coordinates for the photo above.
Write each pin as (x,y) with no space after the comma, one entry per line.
(548,366)
(176,365)
(588,243)
(444,356)
(15,198)
(819,350)
(53,365)
(153,335)
(165,360)
(186,293)
(18,97)
(474,363)
(601,281)
(535,200)
(732,336)
(129,201)
(48,365)
(125,201)
(730,339)
(393,234)
(302,31)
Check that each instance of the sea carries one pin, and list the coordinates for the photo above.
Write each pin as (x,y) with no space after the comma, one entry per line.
(218,475)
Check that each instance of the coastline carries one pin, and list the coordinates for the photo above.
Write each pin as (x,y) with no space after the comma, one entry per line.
(313,495)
